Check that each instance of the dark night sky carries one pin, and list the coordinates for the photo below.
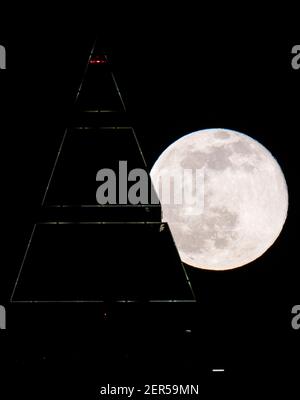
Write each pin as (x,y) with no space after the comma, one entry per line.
(175,78)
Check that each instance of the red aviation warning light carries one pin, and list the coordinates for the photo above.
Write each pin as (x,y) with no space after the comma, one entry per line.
(98,60)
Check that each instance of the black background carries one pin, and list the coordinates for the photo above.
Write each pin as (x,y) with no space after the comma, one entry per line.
(176,76)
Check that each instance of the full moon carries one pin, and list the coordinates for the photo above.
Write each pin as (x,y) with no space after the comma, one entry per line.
(244,198)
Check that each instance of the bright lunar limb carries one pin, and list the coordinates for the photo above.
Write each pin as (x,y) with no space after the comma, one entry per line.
(245,198)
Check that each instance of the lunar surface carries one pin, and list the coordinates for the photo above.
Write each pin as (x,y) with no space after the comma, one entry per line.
(244,198)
